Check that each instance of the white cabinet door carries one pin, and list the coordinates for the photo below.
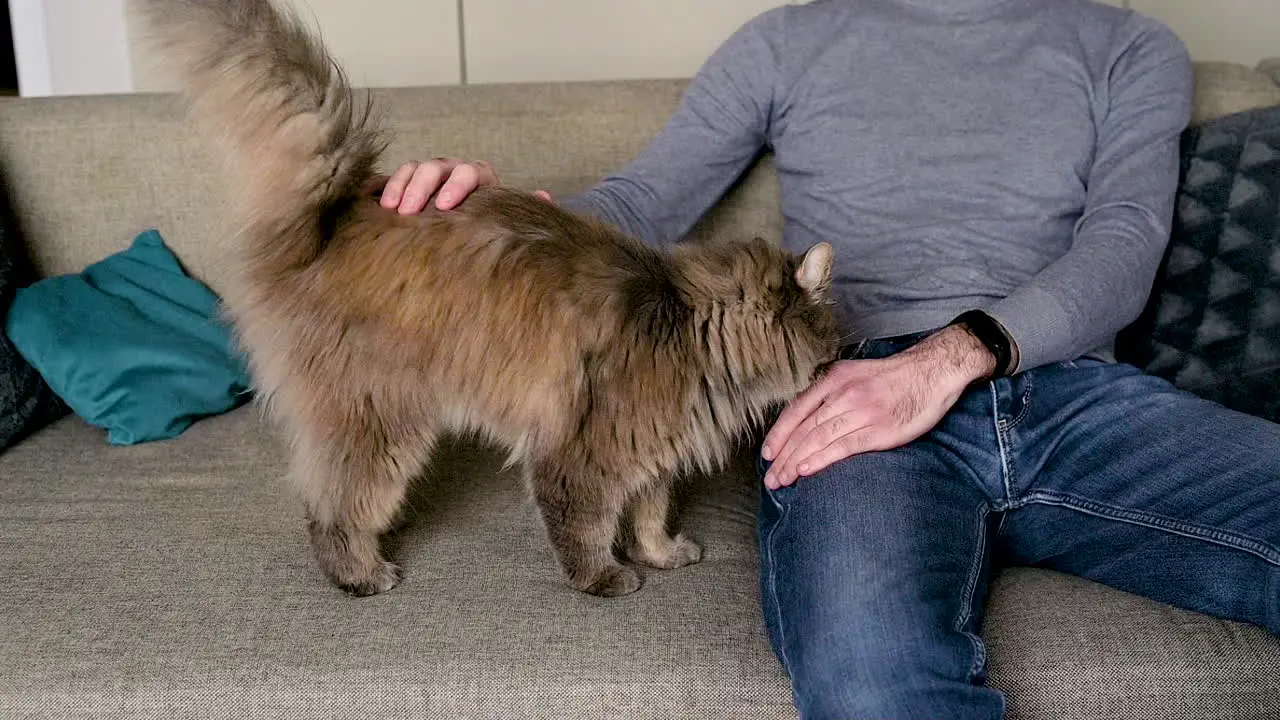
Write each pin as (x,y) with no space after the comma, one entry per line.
(1243,31)
(380,43)
(553,40)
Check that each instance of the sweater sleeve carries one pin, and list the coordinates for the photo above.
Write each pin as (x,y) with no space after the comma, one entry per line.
(1082,300)
(719,128)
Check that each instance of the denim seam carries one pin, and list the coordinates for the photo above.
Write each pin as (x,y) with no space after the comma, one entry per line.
(1001,444)
(1267,552)
(966,600)
(773,580)
(1028,380)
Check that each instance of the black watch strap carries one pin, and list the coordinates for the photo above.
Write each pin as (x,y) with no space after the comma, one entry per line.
(992,336)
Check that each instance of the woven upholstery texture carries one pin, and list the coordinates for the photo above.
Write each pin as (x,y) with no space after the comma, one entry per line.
(174,580)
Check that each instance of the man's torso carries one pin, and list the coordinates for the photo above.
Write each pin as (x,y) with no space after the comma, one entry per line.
(945,153)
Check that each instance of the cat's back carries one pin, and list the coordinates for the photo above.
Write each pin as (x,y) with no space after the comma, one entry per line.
(511,312)
(575,263)
(505,266)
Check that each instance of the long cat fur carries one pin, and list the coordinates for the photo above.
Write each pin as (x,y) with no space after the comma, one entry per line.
(604,366)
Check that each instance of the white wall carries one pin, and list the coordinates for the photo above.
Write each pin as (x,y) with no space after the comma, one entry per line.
(510,41)
(31,47)
(378,42)
(420,42)
(71,47)
(408,42)
(75,46)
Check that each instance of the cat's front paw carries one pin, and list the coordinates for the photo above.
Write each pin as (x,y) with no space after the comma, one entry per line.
(614,581)
(669,554)
(384,578)
(352,561)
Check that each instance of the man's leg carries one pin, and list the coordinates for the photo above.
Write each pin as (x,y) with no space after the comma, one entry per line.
(1118,477)
(874,573)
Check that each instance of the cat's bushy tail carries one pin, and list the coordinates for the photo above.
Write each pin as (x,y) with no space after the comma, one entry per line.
(298,143)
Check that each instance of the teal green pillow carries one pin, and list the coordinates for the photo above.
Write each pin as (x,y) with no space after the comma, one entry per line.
(132,344)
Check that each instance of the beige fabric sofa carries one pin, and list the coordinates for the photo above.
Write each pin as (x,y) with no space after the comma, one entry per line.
(173,580)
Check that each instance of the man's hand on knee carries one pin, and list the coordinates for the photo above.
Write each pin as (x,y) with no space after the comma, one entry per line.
(873,405)
(448,180)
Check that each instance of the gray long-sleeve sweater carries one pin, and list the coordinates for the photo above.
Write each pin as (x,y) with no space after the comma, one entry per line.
(1019,156)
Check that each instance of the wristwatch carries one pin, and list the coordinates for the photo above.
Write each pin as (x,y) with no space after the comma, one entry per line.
(992,335)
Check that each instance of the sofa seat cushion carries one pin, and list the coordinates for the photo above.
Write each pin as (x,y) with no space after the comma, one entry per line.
(173,575)
(173,579)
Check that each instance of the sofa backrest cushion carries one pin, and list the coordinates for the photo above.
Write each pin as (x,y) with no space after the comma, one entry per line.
(90,173)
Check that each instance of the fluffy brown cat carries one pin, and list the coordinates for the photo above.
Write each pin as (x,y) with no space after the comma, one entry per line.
(603,365)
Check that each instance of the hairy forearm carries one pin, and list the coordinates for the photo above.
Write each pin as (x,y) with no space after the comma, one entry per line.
(952,359)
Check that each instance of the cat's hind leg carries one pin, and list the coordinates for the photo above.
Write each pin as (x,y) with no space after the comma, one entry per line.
(651,544)
(581,510)
(354,485)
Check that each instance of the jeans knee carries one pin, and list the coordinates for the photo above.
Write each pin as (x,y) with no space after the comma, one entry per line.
(869,574)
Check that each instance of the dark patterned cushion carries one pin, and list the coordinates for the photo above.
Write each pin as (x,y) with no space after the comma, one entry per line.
(26,402)
(1213,323)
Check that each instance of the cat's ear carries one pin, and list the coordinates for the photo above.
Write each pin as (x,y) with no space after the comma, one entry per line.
(814,273)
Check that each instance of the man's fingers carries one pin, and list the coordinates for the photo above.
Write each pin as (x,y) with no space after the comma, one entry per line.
(796,412)
(450,180)
(811,434)
(426,181)
(396,184)
(845,446)
(815,440)
(801,407)
(782,441)
(799,434)
(463,181)
(779,467)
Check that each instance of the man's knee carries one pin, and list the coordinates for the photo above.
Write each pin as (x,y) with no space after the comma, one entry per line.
(867,569)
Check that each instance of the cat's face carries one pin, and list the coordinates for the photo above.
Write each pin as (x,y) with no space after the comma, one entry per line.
(789,332)
(763,316)
(803,306)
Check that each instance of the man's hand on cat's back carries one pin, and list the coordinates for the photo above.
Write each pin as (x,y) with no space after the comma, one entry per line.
(448,180)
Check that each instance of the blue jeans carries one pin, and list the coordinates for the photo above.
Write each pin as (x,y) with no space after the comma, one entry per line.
(874,572)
